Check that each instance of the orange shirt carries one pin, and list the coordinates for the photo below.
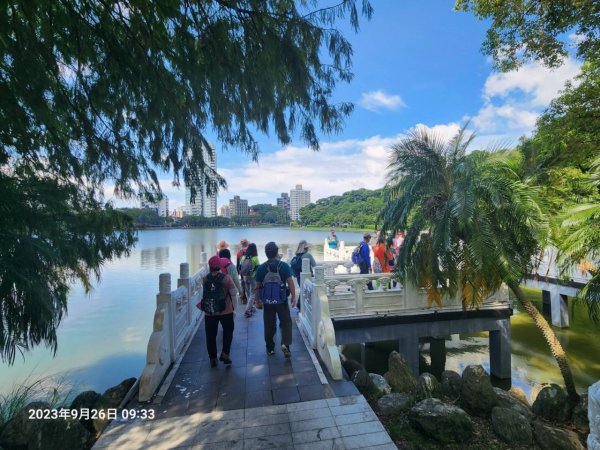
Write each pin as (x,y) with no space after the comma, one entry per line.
(379,250)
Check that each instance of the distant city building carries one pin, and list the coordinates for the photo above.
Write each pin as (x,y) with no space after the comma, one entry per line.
(224,211)
(298,199)
(203,205)
(178,213)
(284,202)
(161,207)
(238,206)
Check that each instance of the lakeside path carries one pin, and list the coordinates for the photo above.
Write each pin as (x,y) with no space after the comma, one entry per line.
(258,402)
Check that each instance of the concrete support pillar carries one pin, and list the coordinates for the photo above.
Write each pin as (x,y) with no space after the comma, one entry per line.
(409,348)
(437,351)
(500,361)
(363,354)
(546,308)
(560,310)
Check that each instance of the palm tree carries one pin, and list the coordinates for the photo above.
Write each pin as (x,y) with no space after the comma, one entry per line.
(471,224)
(581,225)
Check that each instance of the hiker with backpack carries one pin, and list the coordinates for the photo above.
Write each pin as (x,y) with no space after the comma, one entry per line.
(361,256)
(217,303)
(296,262)
(228,268)
(272,278)
(248,268)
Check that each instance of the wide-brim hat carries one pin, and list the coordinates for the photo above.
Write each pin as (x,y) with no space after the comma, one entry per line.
(222,244)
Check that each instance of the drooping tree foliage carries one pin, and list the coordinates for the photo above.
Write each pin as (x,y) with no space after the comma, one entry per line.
(97,91)
(471,223)
(541,30)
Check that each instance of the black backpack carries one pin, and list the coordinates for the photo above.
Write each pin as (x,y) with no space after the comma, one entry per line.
(213,296)
(296,264)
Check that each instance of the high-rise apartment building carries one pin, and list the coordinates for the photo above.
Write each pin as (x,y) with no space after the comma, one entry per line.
(284,202)
(238,206)
(224,211)
(161,207)
(298,198)
(203,205)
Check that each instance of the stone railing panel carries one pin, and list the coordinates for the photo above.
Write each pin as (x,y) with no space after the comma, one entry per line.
(593,441)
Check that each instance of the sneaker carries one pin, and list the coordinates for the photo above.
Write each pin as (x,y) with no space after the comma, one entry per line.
(248,313)
(286,350)
(213,362)
(225,358)
(270,352)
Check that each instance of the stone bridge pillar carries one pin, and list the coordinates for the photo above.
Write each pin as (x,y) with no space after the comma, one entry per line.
(500,350)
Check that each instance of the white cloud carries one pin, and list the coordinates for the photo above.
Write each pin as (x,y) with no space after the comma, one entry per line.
(513,101)
(378,100)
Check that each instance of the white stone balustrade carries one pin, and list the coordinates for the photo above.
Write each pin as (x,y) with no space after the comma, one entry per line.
(175,321)
(593,440)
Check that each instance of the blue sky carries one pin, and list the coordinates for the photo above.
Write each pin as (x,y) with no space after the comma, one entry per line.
(416,63)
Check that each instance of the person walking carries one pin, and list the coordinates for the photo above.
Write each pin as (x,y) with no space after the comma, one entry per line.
(302,252)
(229,267)
(248,271)
(217,304)
(380,260)
(238,262)
(365,253)
(272,278)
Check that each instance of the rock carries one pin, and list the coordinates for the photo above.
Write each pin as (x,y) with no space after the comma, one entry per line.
(16,433)
(86,399)
(511,426)
(428,387)
(520,394)
(511,401)
(477,395)
(451,384)
(579,418)
(395,403)
(379,385)
(44,434)
(552,403)
(535,390)
(550,438)
(361,380)
(441,421)
(399,374)
(111,398)
(61,434)
(351,366)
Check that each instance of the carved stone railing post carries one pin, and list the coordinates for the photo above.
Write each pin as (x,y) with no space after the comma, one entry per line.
(184,280)
(305,271)
(341,251)
(323,327)
(203,259)
(164,296)
(593,440)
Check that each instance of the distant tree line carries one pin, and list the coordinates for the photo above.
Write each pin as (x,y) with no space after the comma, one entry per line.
(357,209)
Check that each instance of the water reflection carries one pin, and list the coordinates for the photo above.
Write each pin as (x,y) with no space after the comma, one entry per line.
(154,258)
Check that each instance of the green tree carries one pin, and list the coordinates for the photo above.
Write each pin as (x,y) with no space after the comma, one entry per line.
(471,224)
(98,91)
(523,30)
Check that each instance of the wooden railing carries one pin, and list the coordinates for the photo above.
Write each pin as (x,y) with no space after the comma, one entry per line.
(175,321)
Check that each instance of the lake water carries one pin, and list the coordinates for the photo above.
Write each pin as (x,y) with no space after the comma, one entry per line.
(104,337)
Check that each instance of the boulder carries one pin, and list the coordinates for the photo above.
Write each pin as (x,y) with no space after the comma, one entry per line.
(351,366)
(477,394)
(441,421)
(428,387)
(395,403)
(511,401)
(399,375)
(579,418)
(535,390)
(88,400)
(111,398)
(44,434)
(451,384)
(511,426)
(379,385)
(550,438)
(361,379)
(16,433)
(552,403)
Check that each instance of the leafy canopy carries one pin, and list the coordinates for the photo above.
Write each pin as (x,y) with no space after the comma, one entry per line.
(97,91)
(542,30)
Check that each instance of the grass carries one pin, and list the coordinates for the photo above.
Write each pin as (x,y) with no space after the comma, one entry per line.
(56,391)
